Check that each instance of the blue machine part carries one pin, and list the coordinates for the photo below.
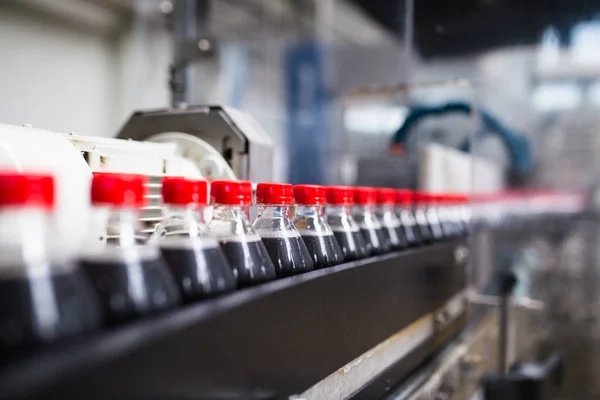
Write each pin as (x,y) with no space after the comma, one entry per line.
(305,98)
(516,145)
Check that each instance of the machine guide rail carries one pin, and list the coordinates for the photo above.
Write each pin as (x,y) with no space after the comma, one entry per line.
(271,341)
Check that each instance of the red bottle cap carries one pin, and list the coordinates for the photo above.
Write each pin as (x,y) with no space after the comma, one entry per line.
(423,197)
(405,197)
(231,192)
(340,195)
(451,198)
(309,194)
(183,191)
(386,196)
(365,195)
(274,193)
(123,190)
(26,190)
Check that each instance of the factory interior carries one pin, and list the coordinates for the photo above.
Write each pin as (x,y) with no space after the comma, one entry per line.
(300,199)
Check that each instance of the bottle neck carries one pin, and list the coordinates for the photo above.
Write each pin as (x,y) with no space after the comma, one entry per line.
(365,207)
(311,210)
(23,236)
(230,220)
(227,211)
(386,213)
(190,212)
(123,227)
(274,211)
(335,209)
(189,217)
(384,208)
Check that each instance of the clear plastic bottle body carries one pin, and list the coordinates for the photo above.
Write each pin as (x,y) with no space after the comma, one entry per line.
(243,247)
(455,219)
(43,298)
(412,233)
(445,220)
(317,235)
(465,211)
(196,262)
(346,232)
(391,227)
(433,220)
(371,229)
(422,221)
(282,240)
(130,279)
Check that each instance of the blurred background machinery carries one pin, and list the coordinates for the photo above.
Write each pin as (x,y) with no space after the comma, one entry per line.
(478,97)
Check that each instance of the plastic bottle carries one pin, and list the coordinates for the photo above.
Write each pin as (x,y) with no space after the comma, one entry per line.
(315,231)
(281,238)
(454,206)
(443,204)
(231,225)
(405,206)
(391,226)
(345,229)
(363,212)
(431,203)
(131,280)
(42,300)
(197,262)
(465,211)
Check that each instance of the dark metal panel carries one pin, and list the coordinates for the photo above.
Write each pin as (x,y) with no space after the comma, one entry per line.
(281,337)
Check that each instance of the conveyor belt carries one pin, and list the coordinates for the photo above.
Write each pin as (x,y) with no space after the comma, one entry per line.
(270,341)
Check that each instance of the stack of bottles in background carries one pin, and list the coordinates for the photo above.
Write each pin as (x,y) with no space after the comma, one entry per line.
(196,261)
(230,224)
(42,299)
(281,238)
(391,225)
(405,210)
(315,231)
(346,231)
(130,279)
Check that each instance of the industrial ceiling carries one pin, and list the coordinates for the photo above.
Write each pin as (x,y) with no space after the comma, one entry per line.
(461,27)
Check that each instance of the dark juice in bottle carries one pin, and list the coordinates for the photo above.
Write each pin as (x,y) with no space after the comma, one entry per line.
(405,202)
(422,219)
(131,280)
(197,262)
(390,223)
(324,249)
(37,310)
(199,268)
(346,231)
(433,217)
(281,238)
(130,284)
(370,227)
(353,244)
(249,260)
(316,233)
(289,255)
(41,301)
(230,225)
